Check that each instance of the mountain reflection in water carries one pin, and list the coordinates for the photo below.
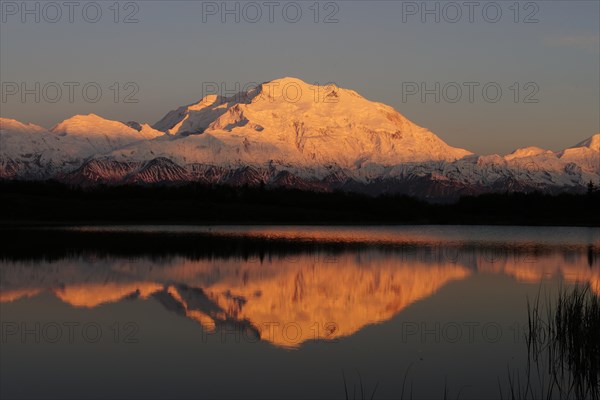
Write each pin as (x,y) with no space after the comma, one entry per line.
(284,285)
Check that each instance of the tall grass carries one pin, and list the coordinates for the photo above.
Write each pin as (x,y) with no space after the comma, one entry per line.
(362,394)
(563,352)
(575,332)
(563,348)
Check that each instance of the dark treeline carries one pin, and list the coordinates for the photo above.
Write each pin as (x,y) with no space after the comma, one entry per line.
(55,243)
(56,203)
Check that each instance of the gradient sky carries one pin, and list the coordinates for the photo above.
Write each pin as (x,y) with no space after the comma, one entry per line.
(170,52)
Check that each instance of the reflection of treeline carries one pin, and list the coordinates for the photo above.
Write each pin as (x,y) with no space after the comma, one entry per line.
(31,243)
(195,203)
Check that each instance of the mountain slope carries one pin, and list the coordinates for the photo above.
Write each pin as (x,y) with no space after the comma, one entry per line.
(288,119)
(27,149)
(285,133)
(585,154)
(30,151)
(96,135)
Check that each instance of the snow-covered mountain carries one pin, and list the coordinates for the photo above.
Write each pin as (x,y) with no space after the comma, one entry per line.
(285,133)
(289,120)
(32,152)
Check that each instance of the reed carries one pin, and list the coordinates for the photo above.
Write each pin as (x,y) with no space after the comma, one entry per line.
(563,348)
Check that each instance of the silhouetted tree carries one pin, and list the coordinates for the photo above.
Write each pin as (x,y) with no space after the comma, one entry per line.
(590,187)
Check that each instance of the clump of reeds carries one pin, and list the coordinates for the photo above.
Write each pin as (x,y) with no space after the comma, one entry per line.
(563,345)
(576,332)
(362,394)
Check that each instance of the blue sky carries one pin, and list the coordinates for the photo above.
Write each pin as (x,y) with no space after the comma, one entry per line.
(547,52)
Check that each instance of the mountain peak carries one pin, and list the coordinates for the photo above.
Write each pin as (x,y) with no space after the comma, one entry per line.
(592,143)
(95,125)
(81,121)
(529,151)
(206,101)
(88,118)
(12,125)
(310,124)
(295,90)
(288,79)
(586,154)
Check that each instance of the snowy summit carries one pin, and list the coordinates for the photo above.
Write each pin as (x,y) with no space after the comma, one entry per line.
(285,132)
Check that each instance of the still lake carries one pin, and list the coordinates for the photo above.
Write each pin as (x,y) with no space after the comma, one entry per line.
(278,311)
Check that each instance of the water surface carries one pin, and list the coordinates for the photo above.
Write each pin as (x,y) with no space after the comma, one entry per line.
(274,312)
